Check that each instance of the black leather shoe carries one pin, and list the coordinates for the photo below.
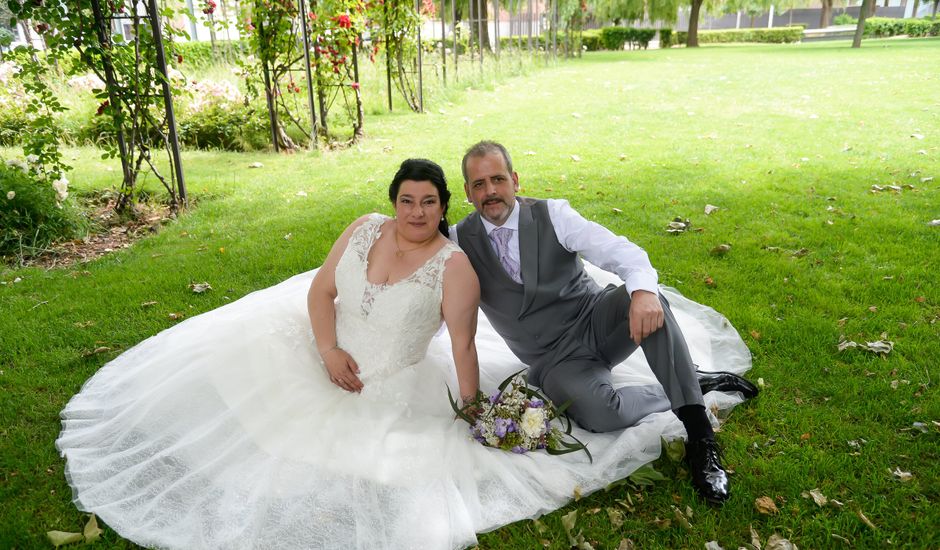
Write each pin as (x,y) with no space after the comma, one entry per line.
(708,475)
(727,382)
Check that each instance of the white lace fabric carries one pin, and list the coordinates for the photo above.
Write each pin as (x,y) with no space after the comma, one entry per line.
(225,432)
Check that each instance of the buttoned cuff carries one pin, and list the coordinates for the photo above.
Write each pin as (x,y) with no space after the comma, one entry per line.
(642,281)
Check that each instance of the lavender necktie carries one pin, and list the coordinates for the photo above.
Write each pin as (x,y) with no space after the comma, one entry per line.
(500,237)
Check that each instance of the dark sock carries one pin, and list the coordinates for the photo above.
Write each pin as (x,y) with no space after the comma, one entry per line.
(696,422)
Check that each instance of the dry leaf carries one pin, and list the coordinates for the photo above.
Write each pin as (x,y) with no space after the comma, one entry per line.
(755,538)
(576,115)
(917,136)
(709,208)
(577,493)
(92,531)
(529,153)
(776,542)
(678,225)
(176,316)
(617,211)
(662,523)
(289,236)
(681,519)
(817,496)
(539,526)
(148,304)
(721,250)
(755,335)
(575,158)
(301,193)
(623,157)
(199,288)
(861,515)
(933,223)
(713,545)
(255,165)
(760,383)
(902,475)
(805,436)
(59,538)
(765,505)
(626,544)
(616,517)
(801,252)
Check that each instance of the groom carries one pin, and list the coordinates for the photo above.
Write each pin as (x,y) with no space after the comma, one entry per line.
(570,332)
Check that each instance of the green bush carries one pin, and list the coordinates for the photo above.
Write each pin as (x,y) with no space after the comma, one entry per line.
(844,19)
(665,38)
(615,38)
(199,54)
(31,217)
(591,39)
(880,27)
(783,35)
(230,128)
(13,122)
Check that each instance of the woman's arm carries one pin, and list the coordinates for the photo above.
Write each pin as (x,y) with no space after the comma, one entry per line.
(322,311)
(460,305)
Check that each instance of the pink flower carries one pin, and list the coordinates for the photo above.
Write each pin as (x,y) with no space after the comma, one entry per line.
(354,85)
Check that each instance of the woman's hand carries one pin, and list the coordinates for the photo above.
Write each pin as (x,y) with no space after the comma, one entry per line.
(343,370)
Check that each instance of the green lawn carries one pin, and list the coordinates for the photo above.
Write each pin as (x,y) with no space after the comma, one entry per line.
(786,140)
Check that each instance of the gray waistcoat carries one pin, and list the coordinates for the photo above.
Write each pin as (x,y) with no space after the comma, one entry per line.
(535,319)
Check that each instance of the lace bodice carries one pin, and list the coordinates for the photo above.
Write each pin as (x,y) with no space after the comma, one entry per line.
(386,327)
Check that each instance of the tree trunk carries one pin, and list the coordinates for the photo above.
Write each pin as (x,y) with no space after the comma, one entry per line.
(872,6)
(860,28)
(692,39)
(916,5)
(825,16)
(935,3)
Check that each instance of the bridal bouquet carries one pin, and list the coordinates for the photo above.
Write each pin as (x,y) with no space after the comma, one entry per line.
(520,419)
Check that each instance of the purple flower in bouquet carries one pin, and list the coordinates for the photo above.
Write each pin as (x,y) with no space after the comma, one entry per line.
(502,426)
(519,450)
(536,403)
(495,397)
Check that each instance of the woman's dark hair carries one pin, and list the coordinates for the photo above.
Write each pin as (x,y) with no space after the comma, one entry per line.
(423,170)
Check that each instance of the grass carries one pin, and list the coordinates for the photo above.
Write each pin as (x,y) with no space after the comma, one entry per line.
(784,139)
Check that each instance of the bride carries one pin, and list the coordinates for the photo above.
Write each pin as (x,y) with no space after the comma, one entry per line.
(265,424)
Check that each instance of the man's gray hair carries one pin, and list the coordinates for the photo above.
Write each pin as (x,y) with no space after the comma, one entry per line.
(482,149)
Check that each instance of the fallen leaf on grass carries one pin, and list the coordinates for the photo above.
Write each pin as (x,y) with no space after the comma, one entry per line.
(176,316)
(646,476)
(902,475)
(917,136)
(755,539)
(289,236)
(199,288)
(92,531)
(882,347)
(861,515)
(529,153)
(60,538)
(681,518)
(539,526)
(255,165)
(776,542)
(577,493)
(713,545)
(800,253)
(574,540)
(148,304)
(301,193)
(575,158)
(817,496)
(709,208)
(933,223)
(662,523)
(617,211)
(678,225)
(576,115)
(616,517)
(626,544)
(765,505)
(840,538)
(721,250)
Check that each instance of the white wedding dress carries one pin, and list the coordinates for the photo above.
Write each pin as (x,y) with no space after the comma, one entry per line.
(225,431)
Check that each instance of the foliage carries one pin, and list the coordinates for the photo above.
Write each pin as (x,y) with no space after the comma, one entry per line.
(228,127)
(33,213)
(132,100)
(666,38)
(782,35)
(844,19)
(614,38)
(197,55)
(635,10)
(880,27)
(592,40)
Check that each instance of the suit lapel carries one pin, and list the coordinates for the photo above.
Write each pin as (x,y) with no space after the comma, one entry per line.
(528,254)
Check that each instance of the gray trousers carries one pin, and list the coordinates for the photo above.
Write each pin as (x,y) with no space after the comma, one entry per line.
(582,373)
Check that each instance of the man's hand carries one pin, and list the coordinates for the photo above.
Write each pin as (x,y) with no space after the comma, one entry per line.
(646,315)
(342,369)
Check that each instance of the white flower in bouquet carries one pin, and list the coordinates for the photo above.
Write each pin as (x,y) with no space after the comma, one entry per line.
(61,187)
(533,422)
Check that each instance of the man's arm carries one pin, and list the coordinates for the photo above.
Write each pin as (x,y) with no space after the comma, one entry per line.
(613,253)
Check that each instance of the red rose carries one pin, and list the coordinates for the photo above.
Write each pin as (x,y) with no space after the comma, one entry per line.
(354,85)
(102,107)
(179,58)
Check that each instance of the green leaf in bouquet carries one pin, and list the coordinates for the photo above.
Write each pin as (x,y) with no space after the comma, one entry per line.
(457,410)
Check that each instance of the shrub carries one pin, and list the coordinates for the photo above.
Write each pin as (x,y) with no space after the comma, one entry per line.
(591,39)
(880,27)
(844,19)
(614,38)
(197,55)
(33,214)
(232,128)
(665,38)
(781,35)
